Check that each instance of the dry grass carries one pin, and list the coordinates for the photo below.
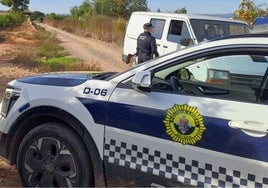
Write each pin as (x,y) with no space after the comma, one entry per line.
(39,51)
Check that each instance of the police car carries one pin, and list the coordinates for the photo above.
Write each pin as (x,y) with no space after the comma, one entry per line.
(194,117)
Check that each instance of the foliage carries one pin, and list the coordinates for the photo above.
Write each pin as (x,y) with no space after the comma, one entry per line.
(100,27)
(54,16)
(113,8)
(16,5)
(183,10)
(49,56)
(48,49)
(37,15)
(101,19)
(135,5)
(248,11)
(84,10)
(62,63)
(11,19)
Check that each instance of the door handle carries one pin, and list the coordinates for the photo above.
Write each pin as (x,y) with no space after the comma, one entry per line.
(252,128)
(165,46)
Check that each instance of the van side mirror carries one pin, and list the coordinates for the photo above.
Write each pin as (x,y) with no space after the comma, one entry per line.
(186,42)
(142,81)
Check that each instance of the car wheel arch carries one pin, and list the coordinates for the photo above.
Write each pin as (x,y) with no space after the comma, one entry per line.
(39,115)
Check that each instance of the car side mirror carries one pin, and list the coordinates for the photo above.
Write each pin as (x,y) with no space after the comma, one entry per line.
(142,81)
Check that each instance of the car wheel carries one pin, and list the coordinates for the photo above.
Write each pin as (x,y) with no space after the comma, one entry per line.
(51,155)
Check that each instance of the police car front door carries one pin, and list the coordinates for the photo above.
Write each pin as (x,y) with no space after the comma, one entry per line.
(179,138)
(211,135)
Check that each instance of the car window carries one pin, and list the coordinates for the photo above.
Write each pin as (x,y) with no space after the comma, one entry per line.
(236,77)
(158,27)
(177,30)
(174,32)
(263,95)
(235,29)
(222,28)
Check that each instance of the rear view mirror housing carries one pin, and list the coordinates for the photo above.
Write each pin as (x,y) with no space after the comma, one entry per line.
(142,81)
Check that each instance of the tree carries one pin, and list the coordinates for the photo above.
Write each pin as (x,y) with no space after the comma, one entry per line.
(16,5)
(119,8)
(84,10)
(248,11)
(181,11)
(37,15)
(137,5)
(111,8)
(104,7)
(265,12)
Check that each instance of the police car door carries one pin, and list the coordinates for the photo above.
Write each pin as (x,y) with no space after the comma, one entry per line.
(203,128)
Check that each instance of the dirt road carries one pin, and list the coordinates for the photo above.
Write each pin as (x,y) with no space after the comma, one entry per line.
(107,55)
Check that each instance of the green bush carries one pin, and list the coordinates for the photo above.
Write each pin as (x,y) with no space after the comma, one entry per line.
(36,15)
(11,19)
(50,57)
(61,63)
(66,64)
(49,47)
(54,16)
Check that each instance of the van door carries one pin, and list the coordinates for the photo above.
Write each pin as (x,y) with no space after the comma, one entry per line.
(174,32)
(158,31)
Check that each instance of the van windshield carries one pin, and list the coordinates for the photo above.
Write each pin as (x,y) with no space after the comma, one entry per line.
(210,29)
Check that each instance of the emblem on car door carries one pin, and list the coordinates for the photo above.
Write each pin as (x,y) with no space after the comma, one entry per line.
(184,124)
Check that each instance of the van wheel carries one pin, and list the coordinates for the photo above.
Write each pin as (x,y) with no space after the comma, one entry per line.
(51,155)
(132,62)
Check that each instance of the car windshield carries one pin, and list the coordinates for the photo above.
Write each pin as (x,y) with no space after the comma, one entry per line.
(211,29)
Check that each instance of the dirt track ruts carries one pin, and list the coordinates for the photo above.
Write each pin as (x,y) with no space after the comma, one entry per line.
(107,55)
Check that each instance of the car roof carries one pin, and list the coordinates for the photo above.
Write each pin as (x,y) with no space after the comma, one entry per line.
(187,16)
(248,35)
(246,39)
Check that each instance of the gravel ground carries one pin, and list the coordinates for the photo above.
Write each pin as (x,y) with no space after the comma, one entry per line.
(108,56)
(12,42)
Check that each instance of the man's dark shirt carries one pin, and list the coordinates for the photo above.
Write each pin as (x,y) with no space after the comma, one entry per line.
(146,47)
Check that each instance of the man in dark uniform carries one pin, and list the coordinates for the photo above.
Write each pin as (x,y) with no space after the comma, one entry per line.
(146,44)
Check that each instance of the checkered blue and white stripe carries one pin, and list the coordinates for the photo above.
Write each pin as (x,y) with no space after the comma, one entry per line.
(177,168)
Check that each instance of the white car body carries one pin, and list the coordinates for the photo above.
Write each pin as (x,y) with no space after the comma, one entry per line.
(137,131)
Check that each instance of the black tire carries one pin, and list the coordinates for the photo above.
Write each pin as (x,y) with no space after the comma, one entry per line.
(51,155)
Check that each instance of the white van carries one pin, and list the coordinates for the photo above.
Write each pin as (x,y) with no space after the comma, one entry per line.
(173,31)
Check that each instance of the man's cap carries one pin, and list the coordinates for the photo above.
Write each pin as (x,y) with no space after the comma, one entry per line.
(147,26)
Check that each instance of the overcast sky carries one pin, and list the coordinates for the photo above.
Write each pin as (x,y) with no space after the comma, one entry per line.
(192,6)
